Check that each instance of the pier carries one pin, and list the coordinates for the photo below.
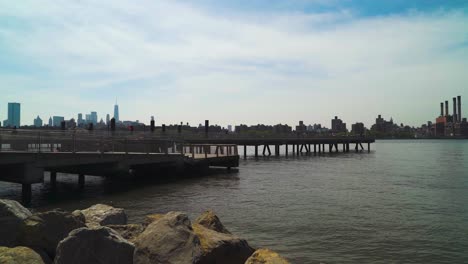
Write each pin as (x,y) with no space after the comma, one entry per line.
(25,155)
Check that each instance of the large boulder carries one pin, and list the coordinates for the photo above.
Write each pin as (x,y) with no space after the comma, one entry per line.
(102,215)
(129,232)
(221,247)
(168,240)
(19,255)
(94,245)
(266,256)
(151,218)
(211,221)
(46,230)
(12,215)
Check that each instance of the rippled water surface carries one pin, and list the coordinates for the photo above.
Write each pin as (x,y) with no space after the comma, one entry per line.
(406,201)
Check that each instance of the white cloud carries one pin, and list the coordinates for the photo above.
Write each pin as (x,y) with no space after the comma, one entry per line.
(183,62)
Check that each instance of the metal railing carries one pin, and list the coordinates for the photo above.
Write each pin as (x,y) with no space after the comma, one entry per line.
(79,141)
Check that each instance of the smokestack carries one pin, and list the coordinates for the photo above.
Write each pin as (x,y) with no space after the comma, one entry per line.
(441,109)
(446,108)
(454,110)
(459,109)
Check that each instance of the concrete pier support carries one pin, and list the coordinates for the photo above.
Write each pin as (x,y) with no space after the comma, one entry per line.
(286,151)
(81,181)
(277,150)
(256,151)
(368,147)
(315,149)
(26,193)
(245,151)
(53,179)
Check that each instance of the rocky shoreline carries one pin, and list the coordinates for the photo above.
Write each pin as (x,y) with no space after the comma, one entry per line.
(101,234)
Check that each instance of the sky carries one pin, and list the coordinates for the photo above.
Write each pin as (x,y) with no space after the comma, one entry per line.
(234,62)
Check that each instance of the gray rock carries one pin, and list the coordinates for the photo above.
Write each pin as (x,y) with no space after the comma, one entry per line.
(221,247)
(211,221)
(12,215)
(168,240)
(101,214)
(46,230)
(94,245)
(19,255)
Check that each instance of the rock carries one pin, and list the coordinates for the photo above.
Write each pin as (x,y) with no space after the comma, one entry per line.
(128,232)
(12,215)
(221,247)
(151,218)
(168,240)
(101,214)
(266,256)
(46,230)
(211,221)
(19,255)
(94,245)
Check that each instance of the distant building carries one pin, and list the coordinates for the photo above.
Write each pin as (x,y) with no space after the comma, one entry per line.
(50,122)
(229,128)
(337,125)
(94,118)
(38,122)
(14,114)
(116,113)
(57,121)
(80,120)
(301,127)
(358,129)
(108,119)
(383,126)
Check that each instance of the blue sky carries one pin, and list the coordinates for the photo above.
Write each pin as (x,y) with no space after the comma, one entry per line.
(234,61)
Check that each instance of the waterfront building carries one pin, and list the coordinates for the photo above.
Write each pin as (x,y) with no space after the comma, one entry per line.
(301,127)
(358,128)
(57,121)
(14,114)
(38,122)
(337,125)
(116,113)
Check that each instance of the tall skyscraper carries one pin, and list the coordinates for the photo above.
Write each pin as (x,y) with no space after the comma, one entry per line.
(80,119)
(14,114)
(94,118)
(116,112)
(50,122)
(107,119)
(38,122)
(58,120)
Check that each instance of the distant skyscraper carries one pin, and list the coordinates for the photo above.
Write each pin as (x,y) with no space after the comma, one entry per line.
(116,112)
(14,114)
(50,122)
(94,118)
(58,120)
(38,122)
(107,119)
(80,119)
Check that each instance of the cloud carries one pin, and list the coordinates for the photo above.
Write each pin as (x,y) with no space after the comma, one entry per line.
(186,62)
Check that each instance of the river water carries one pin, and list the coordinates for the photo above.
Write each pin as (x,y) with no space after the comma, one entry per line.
(406,201)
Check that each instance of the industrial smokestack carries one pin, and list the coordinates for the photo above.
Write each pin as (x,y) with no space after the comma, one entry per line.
(446,108)
(459,109)
(441,109)
(454,110)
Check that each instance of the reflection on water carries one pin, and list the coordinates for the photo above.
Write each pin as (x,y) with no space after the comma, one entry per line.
(404,202)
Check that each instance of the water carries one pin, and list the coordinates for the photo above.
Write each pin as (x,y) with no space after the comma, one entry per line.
(406,201)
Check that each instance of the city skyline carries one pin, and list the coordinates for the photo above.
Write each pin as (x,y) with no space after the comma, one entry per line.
(264,62)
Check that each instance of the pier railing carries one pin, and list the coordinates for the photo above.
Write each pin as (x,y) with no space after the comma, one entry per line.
(35,141)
